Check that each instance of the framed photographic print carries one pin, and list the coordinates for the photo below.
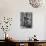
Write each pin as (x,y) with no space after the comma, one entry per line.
(26,19)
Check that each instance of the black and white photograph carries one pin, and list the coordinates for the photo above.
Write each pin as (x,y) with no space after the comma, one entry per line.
(26,19)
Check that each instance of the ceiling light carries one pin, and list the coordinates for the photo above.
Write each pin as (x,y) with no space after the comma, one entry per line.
(35,3)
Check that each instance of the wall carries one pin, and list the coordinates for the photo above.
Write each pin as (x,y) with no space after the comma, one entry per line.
(12,8)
